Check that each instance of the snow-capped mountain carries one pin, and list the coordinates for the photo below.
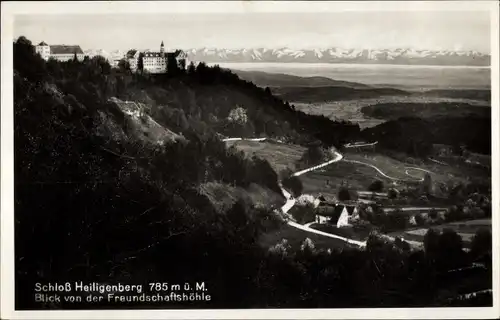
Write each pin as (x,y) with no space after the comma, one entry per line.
(111,56)
(340,55)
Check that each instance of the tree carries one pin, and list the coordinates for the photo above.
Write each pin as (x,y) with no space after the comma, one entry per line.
(313,155)
(140,62)
(191,68)
(481,244)
(344,194)
(304,213)
(431,242)
(124,66)
(450,249)
(433,214)
(427,184)
(294,184)
(376,186)
(396,220)
(392,193)
(172,63)
(419,219)
(238,115)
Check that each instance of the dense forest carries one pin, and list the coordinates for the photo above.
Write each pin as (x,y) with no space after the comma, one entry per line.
(93,202)
(415,136)
(393,111)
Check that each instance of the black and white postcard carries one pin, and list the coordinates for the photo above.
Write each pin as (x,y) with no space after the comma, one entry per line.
(250,159)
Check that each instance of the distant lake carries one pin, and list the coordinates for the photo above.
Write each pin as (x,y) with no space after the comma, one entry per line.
(400,76)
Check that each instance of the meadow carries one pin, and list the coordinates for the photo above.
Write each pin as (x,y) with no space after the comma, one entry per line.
(279,155)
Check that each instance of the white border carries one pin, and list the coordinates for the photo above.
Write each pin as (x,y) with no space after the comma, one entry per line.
(8,9)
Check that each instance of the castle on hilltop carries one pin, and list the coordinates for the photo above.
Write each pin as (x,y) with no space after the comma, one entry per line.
(59,52)
(154,62)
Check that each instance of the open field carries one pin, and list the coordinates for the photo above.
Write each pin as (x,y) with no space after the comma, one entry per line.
(395,168)
(328,180)
(359,177)
(465,229)
(279,155)
(295,237)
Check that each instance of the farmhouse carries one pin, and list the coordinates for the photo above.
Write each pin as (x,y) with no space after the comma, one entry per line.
(59,52)
(339,215)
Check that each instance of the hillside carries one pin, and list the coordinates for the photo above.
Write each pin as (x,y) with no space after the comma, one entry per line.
(135,162)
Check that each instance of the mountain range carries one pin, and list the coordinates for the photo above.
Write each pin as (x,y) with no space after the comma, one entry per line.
(327,55)
(339,55)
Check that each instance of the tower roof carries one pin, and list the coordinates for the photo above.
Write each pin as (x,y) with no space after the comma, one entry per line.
(42,43)
(162,44)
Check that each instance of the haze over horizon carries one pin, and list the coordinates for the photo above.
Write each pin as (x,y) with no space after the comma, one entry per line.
(431,30)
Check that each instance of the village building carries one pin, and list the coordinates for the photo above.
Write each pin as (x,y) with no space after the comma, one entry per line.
(339,215)
(154,61)
(59,52)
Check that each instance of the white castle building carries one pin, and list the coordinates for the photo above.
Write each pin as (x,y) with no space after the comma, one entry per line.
(59,52)
(153,62)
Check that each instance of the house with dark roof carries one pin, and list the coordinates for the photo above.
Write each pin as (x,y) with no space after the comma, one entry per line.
(59,52)
(338,215)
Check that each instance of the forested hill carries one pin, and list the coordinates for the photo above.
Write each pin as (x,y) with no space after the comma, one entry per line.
(106,187)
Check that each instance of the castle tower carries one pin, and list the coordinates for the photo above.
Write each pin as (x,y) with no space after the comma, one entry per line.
(162,49)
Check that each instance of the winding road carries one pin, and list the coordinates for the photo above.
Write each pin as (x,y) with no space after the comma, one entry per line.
(290,200)
(349,145)
(414,179)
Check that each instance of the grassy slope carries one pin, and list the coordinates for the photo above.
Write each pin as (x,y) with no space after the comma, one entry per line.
(280,156)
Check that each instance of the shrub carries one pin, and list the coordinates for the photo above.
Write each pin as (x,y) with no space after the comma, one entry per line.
(392,193)
(419,219)
(433,214)
(481,243)
(294,184)
(376,186)
(344,194)
(304,214)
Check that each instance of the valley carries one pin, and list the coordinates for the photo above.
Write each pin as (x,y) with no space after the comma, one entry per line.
(119,173)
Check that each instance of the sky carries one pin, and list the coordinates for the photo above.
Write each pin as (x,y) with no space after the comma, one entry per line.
(431,30)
